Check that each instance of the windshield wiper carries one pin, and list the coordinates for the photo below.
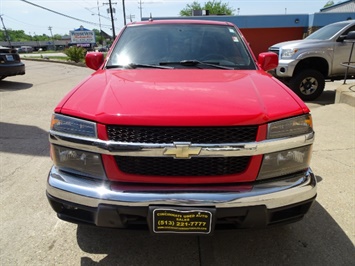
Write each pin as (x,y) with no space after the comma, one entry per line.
(134,65)
(114,66)
(195,62)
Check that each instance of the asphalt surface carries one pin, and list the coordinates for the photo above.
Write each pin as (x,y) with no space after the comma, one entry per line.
(31,234)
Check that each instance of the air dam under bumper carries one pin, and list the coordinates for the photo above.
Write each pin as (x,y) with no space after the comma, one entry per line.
(102,203)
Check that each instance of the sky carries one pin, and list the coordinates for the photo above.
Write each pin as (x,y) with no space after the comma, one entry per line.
(91,14)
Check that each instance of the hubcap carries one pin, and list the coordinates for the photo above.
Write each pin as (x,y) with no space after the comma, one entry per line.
(308,86)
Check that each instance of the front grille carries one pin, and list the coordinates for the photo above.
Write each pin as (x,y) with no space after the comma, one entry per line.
(205,135)
(196,166)
(274,50)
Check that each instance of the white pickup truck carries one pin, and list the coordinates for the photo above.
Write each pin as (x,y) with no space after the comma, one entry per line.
(304,65)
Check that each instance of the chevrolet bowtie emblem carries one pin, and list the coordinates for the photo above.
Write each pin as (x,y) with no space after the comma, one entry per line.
(182,151)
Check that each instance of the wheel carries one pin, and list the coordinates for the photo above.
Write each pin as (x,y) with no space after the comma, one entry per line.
(308,84)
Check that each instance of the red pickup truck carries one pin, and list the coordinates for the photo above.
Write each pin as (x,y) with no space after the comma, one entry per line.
(181,130)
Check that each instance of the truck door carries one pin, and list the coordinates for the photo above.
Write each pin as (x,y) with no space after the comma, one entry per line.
(341,55)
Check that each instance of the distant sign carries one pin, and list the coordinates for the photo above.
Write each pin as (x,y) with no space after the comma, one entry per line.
(82,35)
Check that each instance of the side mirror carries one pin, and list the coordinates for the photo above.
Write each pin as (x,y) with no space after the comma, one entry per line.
(341,38)
(350,37)
(94,60)
(268,60)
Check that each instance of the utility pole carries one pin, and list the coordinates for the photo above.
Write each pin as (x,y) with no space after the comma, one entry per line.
(131,17)
(98,13)
(50,29)
(34,36)
(140,8)
(111,10)
(6,35)
(124,13)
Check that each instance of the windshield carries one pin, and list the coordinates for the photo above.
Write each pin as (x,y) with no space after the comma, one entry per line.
(175,44)
(326,32)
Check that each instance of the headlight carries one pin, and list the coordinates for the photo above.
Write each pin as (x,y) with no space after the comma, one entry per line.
(292,127)
(288,53)
(292,160)
(78,162)
(74,126)
(73,160)
(285,162)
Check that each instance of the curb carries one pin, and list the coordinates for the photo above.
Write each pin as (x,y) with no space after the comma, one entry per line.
(55,61)
(346,94)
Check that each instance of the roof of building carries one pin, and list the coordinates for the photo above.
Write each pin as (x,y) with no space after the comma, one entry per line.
(346,6)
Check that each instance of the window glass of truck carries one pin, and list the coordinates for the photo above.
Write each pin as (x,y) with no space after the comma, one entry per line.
(181,46)
(326,32)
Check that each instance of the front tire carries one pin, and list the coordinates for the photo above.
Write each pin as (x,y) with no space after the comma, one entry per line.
(308,84)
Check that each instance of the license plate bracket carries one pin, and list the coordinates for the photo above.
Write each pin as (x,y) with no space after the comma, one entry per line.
(181,220)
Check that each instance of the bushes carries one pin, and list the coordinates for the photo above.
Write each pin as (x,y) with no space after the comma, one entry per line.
(75,53)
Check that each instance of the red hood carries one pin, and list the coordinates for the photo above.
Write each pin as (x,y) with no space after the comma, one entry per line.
(181,97)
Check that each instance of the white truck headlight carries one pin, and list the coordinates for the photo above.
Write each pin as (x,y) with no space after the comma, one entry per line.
(288,53)
(292,160)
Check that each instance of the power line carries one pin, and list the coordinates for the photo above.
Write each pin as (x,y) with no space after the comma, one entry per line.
(25,23)
(61,14)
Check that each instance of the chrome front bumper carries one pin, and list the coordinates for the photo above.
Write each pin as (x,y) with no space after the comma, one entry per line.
(273,194)
(286,68)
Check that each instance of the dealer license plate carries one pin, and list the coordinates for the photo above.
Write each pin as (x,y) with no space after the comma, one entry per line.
(167,220)
(9,57)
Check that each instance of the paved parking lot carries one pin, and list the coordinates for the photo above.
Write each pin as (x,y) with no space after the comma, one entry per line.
(31,234)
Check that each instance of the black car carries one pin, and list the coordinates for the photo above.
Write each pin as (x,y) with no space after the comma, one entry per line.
(10,63)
